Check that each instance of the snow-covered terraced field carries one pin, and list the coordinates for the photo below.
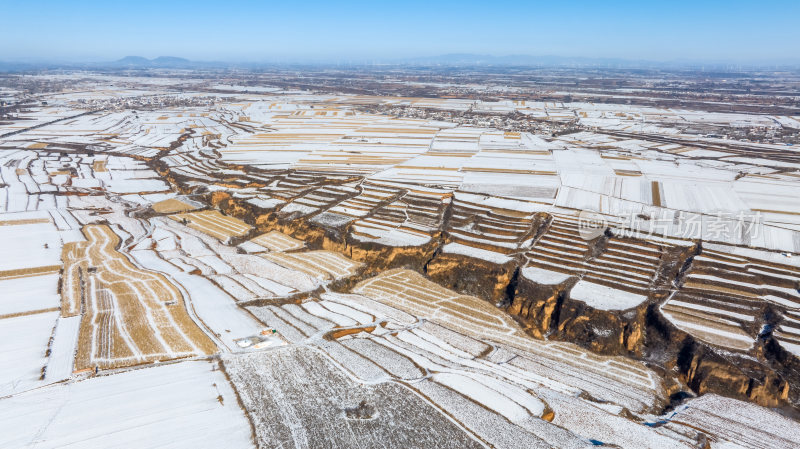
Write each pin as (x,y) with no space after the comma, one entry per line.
(724,296)
(130,316)
(467,315)
(272,241)
(180,250)
(735,423)
(410,291)
(450,360)
(213,223)
(411,220)
(489,228)
(316,200)
(207,263)
(298,398)
(612,272)
(371,196)
(321,265)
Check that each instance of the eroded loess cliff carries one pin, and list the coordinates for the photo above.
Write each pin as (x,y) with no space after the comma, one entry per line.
(716,322)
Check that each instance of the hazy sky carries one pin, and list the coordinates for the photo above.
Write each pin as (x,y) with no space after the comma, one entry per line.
(328,30)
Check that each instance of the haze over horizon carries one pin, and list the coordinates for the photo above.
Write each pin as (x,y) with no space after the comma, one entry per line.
(247,31)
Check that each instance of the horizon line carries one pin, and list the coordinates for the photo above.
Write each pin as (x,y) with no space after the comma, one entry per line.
(445,59)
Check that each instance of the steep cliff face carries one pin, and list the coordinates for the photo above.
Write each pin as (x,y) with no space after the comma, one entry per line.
(332,232)
(605,332)
(538,305)
(472,276)
(705,371)
(762,376)
(594,292)
(548,310)
(633,296)
(383,257)
(753,375)
(226,203)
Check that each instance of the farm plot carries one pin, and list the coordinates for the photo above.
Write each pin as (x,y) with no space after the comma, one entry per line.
(492,389)
(130,315)
(490,225)
(733,423)
(311,319)
(182,405)
(272,241)
(440,168)
(30,262)
(283,186)
(409,221)
(560,249)
(409,291)
(788,333)
(173,205)
(192,165)
(512,165)
(441,164)
(28,295)
(61,352)
(212,306)
(372,196)
(312,201)
(321,265)
(332,139)
(180,249)
(619,273)
(298,398)
(362,155)
(498,389)
(31,245)
(470,316)
(214,224)
(723,295)
(23,350)
(126,175)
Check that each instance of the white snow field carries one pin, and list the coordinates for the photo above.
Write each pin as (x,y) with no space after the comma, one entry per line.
(603,297)
(28,294)
(23,348)
(182,405)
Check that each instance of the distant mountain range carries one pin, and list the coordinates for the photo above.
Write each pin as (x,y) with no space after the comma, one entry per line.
(474,60)
(453,60)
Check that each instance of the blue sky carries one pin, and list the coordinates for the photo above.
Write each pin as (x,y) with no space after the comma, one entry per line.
(233,30)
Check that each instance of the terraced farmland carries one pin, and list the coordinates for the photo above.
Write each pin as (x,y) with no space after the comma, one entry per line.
(279,268)
(411,220)
(274,241)
(328,409)
(724,297)
(323,265)
(419,335)
(215,224)
(130,316)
